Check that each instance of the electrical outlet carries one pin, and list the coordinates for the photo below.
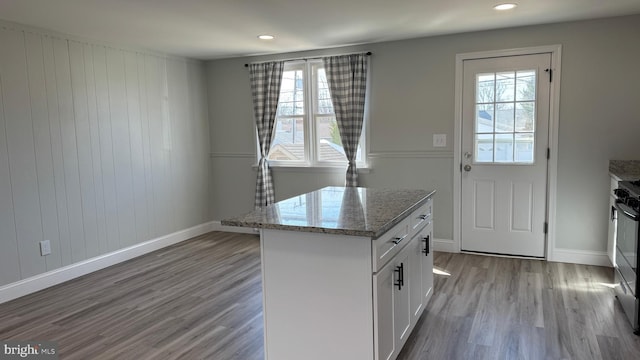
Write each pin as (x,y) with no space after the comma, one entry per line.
(439,140)
(45,247)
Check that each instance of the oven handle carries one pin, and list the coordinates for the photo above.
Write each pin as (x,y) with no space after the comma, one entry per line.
(627,211)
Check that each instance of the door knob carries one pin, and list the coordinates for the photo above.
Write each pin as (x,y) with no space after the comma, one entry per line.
(467,167)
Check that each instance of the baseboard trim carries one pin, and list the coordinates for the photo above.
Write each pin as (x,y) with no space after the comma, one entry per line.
(217,226)
(584,257)
(444,245)
(42,281)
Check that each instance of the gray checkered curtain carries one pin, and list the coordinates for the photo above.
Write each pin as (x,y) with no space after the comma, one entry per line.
(265,90)
(347,78)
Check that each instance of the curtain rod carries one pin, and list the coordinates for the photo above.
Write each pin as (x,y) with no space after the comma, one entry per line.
(368,53)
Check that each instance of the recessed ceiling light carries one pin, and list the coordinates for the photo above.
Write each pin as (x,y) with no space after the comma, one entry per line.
(266,37)
(506,6)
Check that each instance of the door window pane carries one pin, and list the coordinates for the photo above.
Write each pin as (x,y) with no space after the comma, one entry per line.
(505,86)
(525,115)
(505,117)
(526,85)
(524,148)
(504,148)
(485,89)
(484,118)
(484,148)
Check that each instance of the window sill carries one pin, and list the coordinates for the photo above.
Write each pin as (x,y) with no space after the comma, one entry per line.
(314,169)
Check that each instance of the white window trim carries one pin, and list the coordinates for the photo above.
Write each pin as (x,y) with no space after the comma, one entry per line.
(310,146)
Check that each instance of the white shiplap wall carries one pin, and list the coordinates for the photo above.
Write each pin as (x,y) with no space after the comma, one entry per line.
(100,149)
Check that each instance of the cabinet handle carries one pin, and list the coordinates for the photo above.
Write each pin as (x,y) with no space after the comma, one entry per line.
(400,270)
(422,217)
(425,251)
(398,240)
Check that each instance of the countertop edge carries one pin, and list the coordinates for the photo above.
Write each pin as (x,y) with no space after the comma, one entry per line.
(347,232)
(395,221)
(624,170)
(308,229)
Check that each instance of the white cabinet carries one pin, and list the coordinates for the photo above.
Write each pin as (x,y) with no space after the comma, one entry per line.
(362,296)
(416,276)
(427,263)
(393,287)
(403,287)
(422,271)
(384,307)
(611,237)
(401,307)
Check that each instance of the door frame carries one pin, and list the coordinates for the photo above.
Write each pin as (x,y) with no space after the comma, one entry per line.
(552,164)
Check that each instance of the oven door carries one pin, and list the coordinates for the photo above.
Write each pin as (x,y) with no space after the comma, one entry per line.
(627,245)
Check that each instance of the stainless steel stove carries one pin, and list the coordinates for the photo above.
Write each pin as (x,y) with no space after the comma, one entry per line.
(626,274)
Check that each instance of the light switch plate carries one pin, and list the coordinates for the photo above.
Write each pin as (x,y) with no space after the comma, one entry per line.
(439,140)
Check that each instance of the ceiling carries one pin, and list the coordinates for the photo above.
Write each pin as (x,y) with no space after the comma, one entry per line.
(209,29)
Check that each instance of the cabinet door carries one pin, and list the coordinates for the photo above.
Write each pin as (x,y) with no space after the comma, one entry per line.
(402,310)
(392,311)
(384,304)
(416,274)
(426,242)
(421,275)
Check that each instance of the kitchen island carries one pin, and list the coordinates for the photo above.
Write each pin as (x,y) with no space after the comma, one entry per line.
(347,272)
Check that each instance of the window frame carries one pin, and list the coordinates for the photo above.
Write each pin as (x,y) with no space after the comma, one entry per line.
(494,133)
(311,142)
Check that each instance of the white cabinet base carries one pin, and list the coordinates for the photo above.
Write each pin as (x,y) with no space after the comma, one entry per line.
(317,292)
(335,297)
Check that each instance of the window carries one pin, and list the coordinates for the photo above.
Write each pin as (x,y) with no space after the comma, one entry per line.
(306,132)
(505,117)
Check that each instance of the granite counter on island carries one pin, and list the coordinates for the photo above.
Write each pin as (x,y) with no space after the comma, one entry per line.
(353,211)
(347,272)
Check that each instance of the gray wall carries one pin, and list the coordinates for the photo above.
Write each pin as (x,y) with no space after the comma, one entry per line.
(412,97)
(100,149)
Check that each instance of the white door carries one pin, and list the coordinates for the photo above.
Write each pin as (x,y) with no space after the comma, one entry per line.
(505,120)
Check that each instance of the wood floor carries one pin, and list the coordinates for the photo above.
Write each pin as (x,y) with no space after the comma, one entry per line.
(499,308)
(201,299)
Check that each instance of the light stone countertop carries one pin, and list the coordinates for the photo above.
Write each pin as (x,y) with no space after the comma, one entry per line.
(350,211)
(625,170)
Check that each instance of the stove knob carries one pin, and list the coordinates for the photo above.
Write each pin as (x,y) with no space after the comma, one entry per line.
(633,203)
(621,193)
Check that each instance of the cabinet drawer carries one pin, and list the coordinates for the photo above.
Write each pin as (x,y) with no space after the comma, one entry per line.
(422,216)
(389,244)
